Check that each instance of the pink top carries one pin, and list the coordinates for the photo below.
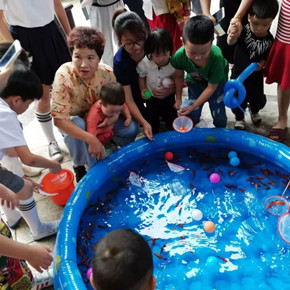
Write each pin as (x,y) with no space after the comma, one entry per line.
(283,30)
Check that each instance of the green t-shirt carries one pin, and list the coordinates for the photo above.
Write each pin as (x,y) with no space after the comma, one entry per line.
(214,72)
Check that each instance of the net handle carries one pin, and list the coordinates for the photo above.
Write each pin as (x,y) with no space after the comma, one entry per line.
(286,188)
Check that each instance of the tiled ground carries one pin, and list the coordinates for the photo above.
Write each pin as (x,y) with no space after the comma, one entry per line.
(37,144)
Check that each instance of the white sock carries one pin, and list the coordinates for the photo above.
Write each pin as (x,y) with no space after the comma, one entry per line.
(46,125)
(13,164)
(29,213)
(12,215)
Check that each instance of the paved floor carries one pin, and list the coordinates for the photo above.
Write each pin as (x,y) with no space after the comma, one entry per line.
(38,144)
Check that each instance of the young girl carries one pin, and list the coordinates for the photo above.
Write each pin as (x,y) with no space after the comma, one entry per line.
(156,72)
(32,23)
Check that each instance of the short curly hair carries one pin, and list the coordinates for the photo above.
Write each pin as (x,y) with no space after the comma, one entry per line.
(82,37)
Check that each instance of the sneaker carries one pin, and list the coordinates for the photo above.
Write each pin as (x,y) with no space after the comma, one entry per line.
(42,280)
(80,172)
(54,151)
(240,125)
(30,171)
(48,229)
(256,118)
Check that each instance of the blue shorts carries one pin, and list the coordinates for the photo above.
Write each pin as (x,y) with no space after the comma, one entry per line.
(10,180)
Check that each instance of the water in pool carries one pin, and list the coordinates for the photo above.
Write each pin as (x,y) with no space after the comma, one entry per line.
(245,250)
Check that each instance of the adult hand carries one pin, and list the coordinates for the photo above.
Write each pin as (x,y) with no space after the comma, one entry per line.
(9,197)
(109,121)
(96,148)
(235,28)
(164,92)
(40,258)
(147,130)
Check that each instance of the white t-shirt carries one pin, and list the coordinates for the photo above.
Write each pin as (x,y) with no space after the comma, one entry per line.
(159,7)
(28,13)
(11,134)
(154,76)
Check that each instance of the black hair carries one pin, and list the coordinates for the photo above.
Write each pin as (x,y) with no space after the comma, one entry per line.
(198,30)
(22,56)
(158,41)
(122,261)
(129,22)
(22,82)
(112,94)
(263,9)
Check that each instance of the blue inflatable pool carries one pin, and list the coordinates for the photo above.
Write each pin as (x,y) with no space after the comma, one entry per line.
(109,173)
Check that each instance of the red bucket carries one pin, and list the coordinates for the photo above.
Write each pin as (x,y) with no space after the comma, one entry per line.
(58,186)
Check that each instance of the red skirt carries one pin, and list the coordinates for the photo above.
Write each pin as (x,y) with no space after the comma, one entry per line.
(168,22)
(277,67)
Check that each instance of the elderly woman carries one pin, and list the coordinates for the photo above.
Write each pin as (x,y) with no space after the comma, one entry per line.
(76,87)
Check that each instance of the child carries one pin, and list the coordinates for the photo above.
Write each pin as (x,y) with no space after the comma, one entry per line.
(122,260)
(153,69)
(14,272)
(32,23)
(110,104)
(253,45)
(22,88)
(207,71)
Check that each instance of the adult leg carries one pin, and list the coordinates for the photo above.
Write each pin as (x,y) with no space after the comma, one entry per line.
(78,149)
(124,135)
(44,118)
(278,131)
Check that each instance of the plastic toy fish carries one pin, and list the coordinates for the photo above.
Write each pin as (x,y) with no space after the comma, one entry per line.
(174,167)
(135,179)
(275,203)
(159,256)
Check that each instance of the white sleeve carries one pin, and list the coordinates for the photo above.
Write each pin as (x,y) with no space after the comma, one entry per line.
(142,69)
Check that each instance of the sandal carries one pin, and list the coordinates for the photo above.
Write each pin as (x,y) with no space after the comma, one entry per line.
(277,134)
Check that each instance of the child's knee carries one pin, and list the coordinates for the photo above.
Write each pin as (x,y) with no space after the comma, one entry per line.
(26,191)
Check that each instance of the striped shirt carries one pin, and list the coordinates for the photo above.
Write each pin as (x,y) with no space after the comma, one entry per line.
(283,30)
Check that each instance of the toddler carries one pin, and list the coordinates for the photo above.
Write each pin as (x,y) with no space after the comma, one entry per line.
(122,260)
(110,104)
(253,45)
(155,74)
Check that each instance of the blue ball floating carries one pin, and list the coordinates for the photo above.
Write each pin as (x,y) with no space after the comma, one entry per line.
(235,161)
(232,154)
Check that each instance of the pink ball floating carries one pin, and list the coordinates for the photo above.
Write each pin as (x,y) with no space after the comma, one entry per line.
(214,178)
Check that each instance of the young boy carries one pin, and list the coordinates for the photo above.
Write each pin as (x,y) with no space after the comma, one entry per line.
(14,272)
(110,104)
(123,260)
(21,89)
(253,45)
(207,71)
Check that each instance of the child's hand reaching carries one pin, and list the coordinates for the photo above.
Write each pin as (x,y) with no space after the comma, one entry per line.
(235,28)
(9,197)
(36,186)
(185,111)
(39,258)
(177,105)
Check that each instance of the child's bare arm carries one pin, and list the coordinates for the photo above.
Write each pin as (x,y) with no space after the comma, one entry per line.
(204,96)
(38,257)
(179,79)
